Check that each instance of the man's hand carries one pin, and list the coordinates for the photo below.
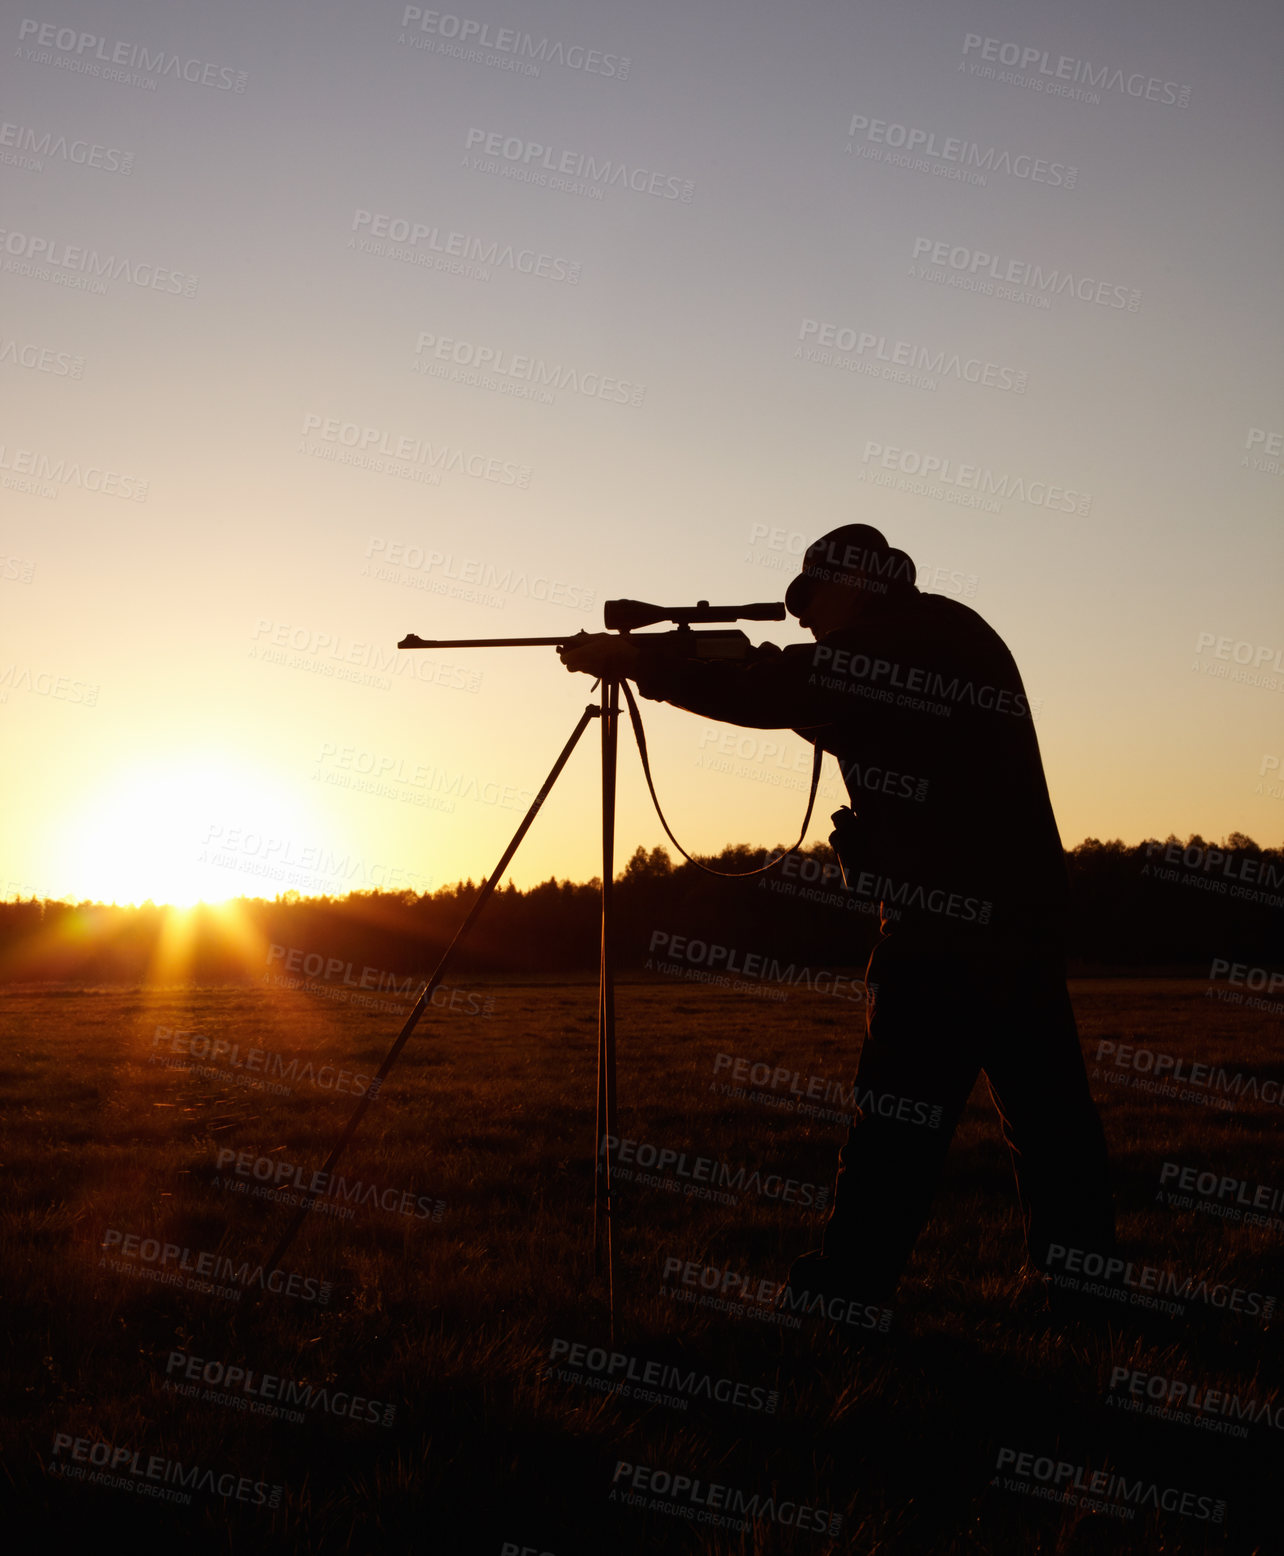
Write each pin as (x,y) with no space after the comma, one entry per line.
(610,656)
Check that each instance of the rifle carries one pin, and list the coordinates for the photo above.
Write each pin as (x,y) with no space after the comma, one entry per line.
(626,615)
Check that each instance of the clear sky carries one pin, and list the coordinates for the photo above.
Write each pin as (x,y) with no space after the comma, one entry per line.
(323,324)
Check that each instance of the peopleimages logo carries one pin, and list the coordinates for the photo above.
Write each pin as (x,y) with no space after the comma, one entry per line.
(1268,980)
(616,1372)
(980,266)
(89,53)
(412,450)
(36,144)
(1193,865)
(1222,1186)
(696,1500)
(223,1056)
(754,964)
(1190,1404)
(398,237)
(123,1469)
(471,37)
(906,1110)
(1077,1484)
(1240,651)
(840,669)
(1171,1071)
(967,484)
(49,259)
(318,650)
(373,773)
(41,359)
(44,683)
(965,160)
(704,1177)
(790,546)
(1119,1280)
(516,373)
(1061,76)
(764,1300)
(864,352)
(534,160)
(55,471)
(20,570)
(267,1393)
(1263,451)
(174,1265)
(323,1185)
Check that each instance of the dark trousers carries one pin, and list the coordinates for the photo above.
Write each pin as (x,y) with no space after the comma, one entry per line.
(938,1015)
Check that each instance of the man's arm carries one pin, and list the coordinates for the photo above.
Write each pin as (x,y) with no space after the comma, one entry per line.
(771,688)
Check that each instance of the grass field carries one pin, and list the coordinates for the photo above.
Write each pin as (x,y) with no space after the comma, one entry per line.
(462,1288)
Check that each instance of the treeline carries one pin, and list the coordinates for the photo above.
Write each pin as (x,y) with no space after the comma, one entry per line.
(1158,905)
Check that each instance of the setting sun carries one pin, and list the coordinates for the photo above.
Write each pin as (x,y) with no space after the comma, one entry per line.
(147,833)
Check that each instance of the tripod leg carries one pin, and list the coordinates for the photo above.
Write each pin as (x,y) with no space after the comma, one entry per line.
(425,994)
(602,1203)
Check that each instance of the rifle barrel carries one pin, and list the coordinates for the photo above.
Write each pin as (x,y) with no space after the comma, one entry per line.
(411,641)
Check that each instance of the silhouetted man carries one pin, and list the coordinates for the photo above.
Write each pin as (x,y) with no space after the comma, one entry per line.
(954,837)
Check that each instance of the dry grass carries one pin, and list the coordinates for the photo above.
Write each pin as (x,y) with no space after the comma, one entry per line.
(451,1321)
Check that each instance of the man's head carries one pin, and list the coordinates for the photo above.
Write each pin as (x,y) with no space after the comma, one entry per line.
(844,574)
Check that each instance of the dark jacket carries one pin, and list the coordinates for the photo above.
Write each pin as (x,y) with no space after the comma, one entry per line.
(923,706)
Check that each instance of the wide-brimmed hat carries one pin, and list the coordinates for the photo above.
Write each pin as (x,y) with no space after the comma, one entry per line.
(855,554)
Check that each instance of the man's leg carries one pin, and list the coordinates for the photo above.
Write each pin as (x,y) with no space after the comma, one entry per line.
(918,1064)
(1034,1065)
